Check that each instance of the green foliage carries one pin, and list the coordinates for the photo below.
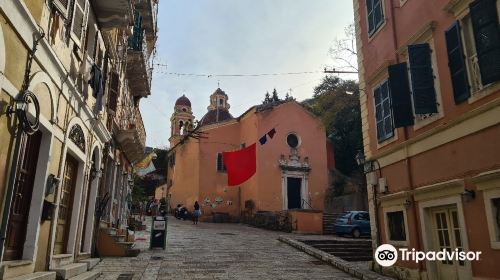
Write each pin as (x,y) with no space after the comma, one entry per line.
(336,102)
(271,98)
(138,195)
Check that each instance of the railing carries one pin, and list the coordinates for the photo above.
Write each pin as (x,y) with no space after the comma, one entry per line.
(139,126)
(305,203)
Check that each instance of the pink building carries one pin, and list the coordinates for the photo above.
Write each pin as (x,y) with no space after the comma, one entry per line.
(292,170)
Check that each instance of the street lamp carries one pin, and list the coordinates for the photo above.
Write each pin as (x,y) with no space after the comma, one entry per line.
(360,158)
(368,166)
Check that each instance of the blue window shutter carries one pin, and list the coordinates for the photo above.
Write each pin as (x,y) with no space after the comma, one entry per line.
(487,37)
(422,79)
(456,63)
(400,95)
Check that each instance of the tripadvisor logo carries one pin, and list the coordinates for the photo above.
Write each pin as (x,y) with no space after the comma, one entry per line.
(387,255)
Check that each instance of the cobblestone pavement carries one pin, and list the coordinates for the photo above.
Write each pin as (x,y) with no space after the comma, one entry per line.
(218,251)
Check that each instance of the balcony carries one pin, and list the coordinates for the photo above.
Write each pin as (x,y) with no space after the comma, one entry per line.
(131,137)
(138,70)
(114,13)
(149,12)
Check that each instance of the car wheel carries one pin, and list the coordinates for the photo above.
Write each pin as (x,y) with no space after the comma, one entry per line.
(356,233)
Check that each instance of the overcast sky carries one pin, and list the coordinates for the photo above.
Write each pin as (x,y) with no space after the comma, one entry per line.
(239,37)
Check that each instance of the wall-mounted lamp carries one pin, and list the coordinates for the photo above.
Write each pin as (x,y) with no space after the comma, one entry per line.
(469,195)
(19,105)
(368,166)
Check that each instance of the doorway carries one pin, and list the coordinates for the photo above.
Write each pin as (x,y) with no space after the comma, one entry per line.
(446,236)
(66,205)
(294,197)
(21,200)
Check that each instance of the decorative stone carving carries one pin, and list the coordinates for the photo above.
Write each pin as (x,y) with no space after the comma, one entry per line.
(293,163)
(76,135)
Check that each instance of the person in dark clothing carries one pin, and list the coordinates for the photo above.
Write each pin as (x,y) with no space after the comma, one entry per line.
(197,213)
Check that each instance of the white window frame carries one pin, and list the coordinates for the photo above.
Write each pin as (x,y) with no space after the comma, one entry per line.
(79,41)
(477,89)
(377,28)
(493,228)
(392,209)
(387,138)
(421,121)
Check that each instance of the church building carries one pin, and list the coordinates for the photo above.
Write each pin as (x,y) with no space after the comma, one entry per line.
(292,157)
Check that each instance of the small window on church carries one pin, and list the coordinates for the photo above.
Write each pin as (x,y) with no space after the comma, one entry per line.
(292,140)
(184,110)
(220,163)
(221,102)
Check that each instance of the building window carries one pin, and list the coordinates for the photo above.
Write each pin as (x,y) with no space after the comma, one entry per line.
(422,79)
(383,113)
(221,102)
(220,163)
(495,203)
(456,63)
(375,13)
(292,140)
(477,31)
(484,17)
(396,226)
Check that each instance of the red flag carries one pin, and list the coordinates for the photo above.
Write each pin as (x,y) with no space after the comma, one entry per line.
(241,165)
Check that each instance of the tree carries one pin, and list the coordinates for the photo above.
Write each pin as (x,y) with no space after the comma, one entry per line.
(344,51)
(267,98)
(336,102)
(275,97)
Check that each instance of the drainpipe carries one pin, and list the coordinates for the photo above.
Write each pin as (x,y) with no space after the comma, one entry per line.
(405,138)
(10,191)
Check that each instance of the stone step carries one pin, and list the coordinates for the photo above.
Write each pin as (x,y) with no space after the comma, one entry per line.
(339,241)
(89,275)
(70,270)
(44,275)
(11,269)
(348,253)
(91,263)
(343,246)
(126,244)
(357,258)
(133,252)
(119,237)
(61,260)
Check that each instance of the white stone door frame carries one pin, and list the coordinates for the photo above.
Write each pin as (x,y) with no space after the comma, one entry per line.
(38,194)
(304,187)
(425,208)
(90,218)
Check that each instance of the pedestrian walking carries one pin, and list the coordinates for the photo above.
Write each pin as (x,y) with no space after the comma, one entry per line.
(197,213)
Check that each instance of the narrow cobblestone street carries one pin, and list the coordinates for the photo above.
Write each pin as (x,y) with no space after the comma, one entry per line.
(218,251)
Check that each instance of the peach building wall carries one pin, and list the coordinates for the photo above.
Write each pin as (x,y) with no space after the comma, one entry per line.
(195,176)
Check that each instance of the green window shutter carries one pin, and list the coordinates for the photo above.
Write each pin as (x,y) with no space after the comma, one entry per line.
(456,63)
(487,37)
(400,95)
(422,79)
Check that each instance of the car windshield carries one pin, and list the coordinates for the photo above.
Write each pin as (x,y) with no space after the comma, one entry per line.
(346,215)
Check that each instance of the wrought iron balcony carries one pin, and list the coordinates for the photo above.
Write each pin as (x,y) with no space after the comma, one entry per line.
(149,12)
(114,13)
(131,137)
(138,69)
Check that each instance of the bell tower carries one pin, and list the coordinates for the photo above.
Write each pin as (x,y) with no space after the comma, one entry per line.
(218,100)
(182,119)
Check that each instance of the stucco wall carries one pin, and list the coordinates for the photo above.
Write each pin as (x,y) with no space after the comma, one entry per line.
(265,187)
